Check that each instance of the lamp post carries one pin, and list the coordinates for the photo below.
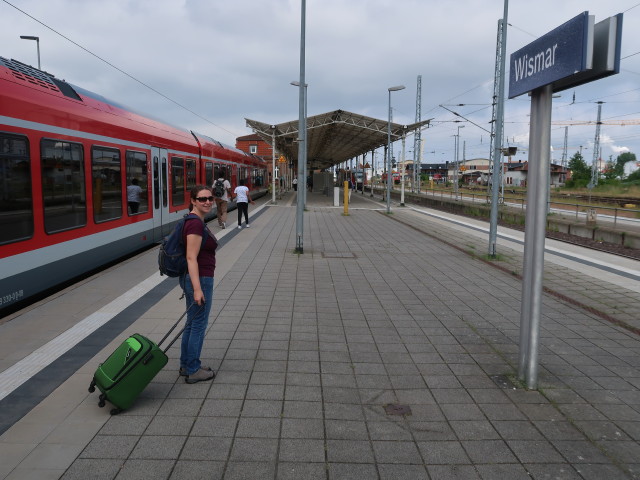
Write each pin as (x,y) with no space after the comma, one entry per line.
(302,143)
(403,171)
(391,89)
(273,161)
(303,135)
(37,39)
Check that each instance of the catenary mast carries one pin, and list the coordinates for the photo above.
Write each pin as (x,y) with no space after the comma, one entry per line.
(417,158)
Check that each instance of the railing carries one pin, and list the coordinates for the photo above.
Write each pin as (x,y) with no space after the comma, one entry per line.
(630,213)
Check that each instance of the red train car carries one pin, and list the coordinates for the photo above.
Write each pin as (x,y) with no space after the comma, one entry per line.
(67,157)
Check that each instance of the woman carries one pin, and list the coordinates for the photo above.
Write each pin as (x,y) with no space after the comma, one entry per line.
(242,203)
(197,285)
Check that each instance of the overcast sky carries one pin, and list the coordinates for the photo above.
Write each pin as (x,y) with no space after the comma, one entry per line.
(231,60)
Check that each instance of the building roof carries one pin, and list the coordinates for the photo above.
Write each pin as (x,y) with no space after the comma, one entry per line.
(332,137)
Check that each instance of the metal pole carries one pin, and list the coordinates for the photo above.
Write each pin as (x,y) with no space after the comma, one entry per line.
(273,164)
(302,146)
(455,165)
(389,172)
(527,263)
(388,157)
(304,190)
(403,171)
(497,144)
(537,193)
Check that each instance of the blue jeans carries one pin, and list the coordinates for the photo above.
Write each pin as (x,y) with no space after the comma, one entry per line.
(196,327)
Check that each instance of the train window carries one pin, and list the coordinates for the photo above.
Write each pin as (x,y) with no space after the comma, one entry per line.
(137,186)
(156,184)
(221,170)
(208,173)
(164,181)
(177,181)
(16,205)
(191,173)
(63,186)
(107,183)
(243,174)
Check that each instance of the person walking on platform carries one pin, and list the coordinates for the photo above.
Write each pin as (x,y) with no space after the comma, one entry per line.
(242,203)
(222,191)
(197,285)
(295,184)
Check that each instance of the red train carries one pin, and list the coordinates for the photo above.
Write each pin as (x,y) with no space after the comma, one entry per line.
(67,157)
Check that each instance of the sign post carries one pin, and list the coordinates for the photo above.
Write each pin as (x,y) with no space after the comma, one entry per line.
(574,53)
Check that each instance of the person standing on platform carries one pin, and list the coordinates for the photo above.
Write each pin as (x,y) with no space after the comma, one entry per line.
(242,203)
(295,184)
(222,192)
(197,285)
(133,196)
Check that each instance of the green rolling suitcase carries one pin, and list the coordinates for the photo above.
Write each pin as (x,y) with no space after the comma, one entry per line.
(129,369)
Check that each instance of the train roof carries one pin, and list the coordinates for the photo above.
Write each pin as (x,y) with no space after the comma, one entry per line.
(46,90)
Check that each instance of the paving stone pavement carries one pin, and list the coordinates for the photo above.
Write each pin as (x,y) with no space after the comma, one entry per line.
(313,351)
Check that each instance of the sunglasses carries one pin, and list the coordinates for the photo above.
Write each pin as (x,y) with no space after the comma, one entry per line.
(204,199)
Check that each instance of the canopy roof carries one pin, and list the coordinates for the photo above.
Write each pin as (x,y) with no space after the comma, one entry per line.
(332,137)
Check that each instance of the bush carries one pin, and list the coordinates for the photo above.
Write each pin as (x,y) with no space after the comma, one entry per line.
(577,183)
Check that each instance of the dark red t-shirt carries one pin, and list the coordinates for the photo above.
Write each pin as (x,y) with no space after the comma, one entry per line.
(207,255)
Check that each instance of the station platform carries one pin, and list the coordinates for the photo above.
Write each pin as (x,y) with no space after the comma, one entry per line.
(387,350)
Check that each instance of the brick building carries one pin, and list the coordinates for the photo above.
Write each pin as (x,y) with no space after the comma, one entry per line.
(255,145)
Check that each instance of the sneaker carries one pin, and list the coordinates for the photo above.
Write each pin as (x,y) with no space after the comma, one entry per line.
(183,371)
(248,226)
(239,227)
(224,225)
(201,375)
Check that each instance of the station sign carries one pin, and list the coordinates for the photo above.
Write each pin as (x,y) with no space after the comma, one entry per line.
(572,54)
(560,53)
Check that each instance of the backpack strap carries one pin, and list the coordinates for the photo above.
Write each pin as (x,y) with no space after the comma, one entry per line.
(204,228)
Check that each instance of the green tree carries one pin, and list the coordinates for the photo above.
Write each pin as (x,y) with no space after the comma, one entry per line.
(580,171)
(634,177)
(620,162)
(611,170)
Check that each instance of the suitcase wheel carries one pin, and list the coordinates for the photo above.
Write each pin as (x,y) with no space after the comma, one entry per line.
(92,386)
(115,411)
(101,400)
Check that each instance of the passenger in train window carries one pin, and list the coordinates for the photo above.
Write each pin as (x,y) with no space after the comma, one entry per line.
(242,203)
(222,192)
(133,196)
(197,285)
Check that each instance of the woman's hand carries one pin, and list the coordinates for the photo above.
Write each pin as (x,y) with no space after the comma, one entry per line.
(198,297)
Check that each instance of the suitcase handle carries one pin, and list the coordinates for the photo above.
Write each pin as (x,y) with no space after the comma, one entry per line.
(174,327)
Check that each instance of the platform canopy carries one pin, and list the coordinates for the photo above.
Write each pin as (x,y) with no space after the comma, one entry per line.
(332,137)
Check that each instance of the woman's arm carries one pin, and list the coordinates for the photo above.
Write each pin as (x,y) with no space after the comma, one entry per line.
(194,242)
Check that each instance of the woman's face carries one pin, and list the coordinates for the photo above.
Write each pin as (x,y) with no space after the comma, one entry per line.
(205,206)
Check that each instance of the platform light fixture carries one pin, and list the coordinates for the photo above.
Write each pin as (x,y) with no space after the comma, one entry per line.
(37,39)
(391,89)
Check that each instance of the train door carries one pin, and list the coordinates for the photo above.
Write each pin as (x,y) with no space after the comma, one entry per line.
(160,166)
